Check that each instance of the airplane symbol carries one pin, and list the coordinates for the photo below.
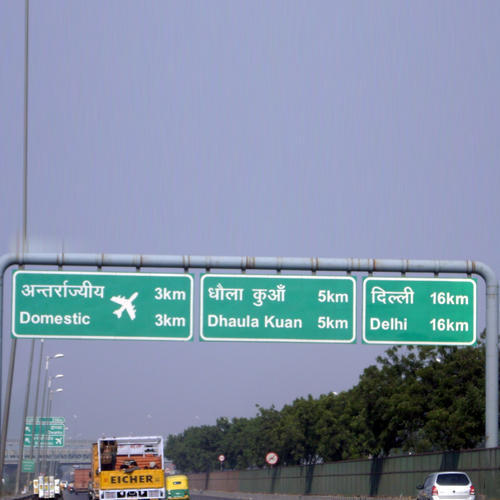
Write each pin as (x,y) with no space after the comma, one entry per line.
(58,440)
(126,305)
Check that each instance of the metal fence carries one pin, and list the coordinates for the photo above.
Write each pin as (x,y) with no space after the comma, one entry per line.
(395,476)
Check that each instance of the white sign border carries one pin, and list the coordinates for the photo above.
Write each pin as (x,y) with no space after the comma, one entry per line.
(277,276)
(102,337)
(437,280)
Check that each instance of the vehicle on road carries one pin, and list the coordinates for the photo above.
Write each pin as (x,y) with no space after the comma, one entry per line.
(447,485)
(57,488)
(81,479)
(130,467)
(94,474)
(177,487)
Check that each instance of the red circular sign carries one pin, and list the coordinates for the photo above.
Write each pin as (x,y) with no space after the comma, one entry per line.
(272,458)
(222,458)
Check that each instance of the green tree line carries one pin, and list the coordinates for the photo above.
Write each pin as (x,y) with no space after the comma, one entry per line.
(414,399)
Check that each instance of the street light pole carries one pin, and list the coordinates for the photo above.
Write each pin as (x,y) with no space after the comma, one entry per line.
(23,422)
(47,415)
(35,413)
(46,378)
(49,410)
(6,410)
(3,437)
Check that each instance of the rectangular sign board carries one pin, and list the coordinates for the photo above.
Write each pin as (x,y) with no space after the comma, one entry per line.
(45,420)
(51,441)
(50,430)
(102,305)
(419,311)
(28,465)
(44,429)
(278,308)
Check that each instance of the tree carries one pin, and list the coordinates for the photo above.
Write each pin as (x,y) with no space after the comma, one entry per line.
(429,398)
(414,399)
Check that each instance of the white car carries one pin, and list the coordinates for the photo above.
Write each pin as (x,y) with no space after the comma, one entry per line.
(447,485)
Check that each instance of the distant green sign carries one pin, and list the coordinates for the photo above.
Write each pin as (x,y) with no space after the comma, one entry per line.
(102,305)
(45,420)
(51,441)
(44,428)
(50,430)
(419,311)
(278,308)
(28,465)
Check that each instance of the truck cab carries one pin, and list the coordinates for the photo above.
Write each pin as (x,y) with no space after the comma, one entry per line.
(131,467)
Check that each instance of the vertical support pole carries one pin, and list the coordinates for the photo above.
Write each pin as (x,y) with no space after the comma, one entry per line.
(6,410)
(46,444)
(491,376)
(2,446)
(42,409)
(23,422)
(35,413)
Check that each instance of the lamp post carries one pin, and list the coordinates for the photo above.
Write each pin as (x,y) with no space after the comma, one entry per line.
(49,391)
(74,430)
(47,380)
(23,428)
(46,413)
(49,410)
(35,412)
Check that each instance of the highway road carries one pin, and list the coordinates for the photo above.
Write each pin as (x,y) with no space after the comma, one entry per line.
(75,496)
(205,497)
(84,496)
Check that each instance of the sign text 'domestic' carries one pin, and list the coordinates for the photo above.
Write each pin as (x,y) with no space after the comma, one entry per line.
(154,306)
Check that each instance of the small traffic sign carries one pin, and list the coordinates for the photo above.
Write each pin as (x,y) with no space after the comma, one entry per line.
(278,308)
(102,305)
(28,465)
(439,311)
(221,458)
(272,458)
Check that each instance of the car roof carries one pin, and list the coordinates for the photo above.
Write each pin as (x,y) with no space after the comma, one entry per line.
(450,472)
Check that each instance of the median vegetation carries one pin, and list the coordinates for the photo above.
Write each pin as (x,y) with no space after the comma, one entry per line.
(414,399)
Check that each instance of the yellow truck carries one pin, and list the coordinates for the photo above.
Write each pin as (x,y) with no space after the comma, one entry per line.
(130,467)
(94,474)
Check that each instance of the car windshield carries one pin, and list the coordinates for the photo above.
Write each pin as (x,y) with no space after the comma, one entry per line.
(452,479)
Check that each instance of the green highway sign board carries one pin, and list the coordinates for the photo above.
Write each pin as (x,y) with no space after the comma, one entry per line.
(278,308)
(102,305)
(49,429)
(49,441)
(44,429)
(28,465)
(419,311)
(46,420)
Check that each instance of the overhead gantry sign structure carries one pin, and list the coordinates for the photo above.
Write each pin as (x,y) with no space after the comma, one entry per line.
(256,307)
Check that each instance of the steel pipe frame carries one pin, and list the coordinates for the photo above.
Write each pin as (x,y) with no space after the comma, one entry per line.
(296,264)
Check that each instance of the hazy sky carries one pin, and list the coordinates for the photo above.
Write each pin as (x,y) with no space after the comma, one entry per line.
(282,128)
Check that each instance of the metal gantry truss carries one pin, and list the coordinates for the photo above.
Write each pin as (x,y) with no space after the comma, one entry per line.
(279,264)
